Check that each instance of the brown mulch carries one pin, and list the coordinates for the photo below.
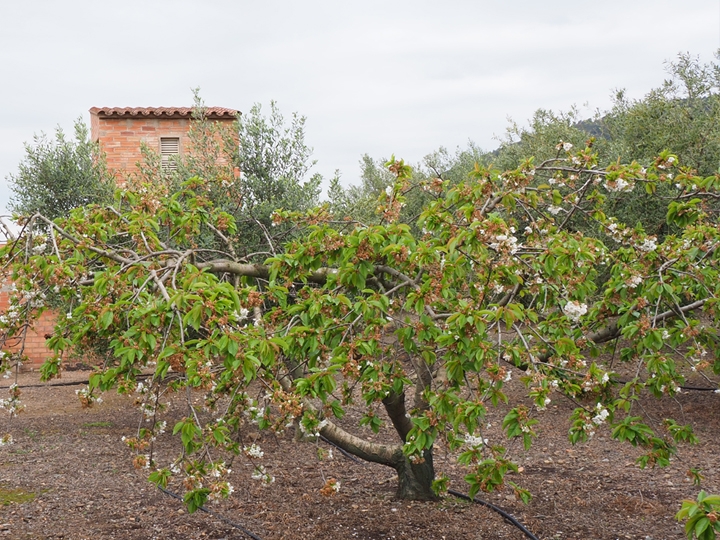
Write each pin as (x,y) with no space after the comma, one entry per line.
(84,485)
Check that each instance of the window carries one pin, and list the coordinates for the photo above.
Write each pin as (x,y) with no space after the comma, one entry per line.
(169,148)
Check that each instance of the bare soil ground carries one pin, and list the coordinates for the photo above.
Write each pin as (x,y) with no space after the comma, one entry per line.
(68,476)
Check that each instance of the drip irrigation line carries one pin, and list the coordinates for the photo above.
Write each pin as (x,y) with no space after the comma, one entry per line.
(218,516)
(491,506)
(67,383)
(145,376)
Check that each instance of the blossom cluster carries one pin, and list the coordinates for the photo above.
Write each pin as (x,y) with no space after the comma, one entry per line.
(241,314)
(12,404)
(574,310)
(262,475)
(505,242)
(331,487)
(87,398)
(619,185)
(474,442)
(220,490)
(601,414)
(648,245)
(308,429)
(253,451)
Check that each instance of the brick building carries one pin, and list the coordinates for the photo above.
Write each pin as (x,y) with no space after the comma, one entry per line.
(120,132)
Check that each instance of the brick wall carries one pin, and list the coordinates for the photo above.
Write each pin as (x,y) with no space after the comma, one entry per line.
(121,131)
(35,348)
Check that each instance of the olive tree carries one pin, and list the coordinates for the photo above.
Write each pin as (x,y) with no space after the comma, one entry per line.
(58,174)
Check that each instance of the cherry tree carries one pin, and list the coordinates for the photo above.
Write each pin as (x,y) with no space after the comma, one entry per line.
(517,273)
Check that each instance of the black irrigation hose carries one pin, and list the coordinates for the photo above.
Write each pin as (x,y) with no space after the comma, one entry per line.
(693,388)
(68,383)
(218,516)
(503,513)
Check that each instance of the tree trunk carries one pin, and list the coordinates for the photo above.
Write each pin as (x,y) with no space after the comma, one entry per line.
(415,480)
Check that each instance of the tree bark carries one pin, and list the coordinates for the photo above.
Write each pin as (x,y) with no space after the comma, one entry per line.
(415,479)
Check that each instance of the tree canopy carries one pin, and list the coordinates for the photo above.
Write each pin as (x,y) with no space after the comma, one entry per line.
(420,331)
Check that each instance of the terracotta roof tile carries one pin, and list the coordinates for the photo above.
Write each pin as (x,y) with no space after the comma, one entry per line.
(168,112)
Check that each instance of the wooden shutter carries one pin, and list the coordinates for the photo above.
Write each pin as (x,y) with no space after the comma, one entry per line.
(169,147)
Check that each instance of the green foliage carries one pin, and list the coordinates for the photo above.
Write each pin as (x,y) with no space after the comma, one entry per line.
(540,138)
(57,175)
(248,171)
(420,188)
(274,162)
(682,114)
(701,517)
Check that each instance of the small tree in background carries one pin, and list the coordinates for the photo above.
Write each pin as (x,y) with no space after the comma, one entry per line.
(57,175)
(258,165)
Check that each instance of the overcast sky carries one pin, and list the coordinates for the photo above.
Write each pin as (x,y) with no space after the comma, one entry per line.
(376,77)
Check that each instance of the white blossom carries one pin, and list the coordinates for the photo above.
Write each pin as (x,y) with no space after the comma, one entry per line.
(602,414)
(253,451)
(619,185)
(261,474)
(474,441)
(544,405)
(574,310)
(648,245)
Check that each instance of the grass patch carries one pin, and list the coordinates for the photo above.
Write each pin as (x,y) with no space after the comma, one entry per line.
(97,424)
(18,496)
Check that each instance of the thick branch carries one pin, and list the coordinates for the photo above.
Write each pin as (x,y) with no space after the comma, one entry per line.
(259,271)
(390,456)
(369,451)
(395,406)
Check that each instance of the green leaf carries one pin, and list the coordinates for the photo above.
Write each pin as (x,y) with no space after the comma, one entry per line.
(106,319)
